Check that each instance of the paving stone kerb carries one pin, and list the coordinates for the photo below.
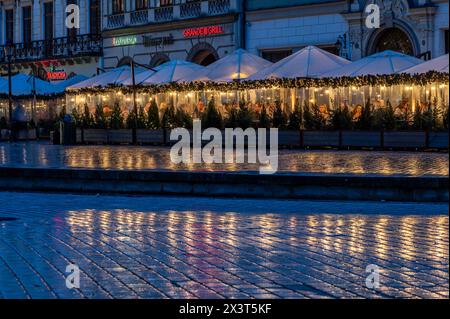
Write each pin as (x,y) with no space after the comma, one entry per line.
(227,184)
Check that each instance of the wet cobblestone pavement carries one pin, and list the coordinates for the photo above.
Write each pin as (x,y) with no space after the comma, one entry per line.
(168,247)
(42,154)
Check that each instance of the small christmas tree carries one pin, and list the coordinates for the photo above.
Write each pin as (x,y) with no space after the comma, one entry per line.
(116,120)
(99,117)
(212,117)
(279,118)
(244,116)
(296,118)
(87,117)
(153,121)
(264,120)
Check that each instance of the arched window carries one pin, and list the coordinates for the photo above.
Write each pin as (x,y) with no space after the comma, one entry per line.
(393,39)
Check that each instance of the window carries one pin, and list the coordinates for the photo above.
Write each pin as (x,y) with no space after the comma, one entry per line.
(141,4)
(48,28)
(275,55)
(26,25)
(71,32)
(9,25)
(164,3)
(446,39)
(118,6)
(94,17)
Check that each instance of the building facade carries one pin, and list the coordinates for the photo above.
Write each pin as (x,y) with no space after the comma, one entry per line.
(35,36)
(155,31)
(275,29)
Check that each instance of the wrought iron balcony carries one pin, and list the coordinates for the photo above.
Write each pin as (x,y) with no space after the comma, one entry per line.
(65,47)
(179,10)
(138,17)
(190,9)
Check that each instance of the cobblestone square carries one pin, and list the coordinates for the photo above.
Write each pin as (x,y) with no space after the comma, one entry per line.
(169,247)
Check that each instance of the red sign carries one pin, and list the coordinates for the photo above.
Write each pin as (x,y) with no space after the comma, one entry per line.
(56,75)
(203,31)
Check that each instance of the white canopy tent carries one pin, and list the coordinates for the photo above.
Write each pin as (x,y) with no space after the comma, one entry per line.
(308,62)
(235,66)
(24,85)
(62,85)
(168,72)
(439,64)
(386,62)
(111,77)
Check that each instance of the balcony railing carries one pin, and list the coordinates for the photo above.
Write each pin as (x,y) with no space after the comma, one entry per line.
(163,14)
(139,17)
(65,47)
(190,9)
(116,20)
(179,10)
(218,6)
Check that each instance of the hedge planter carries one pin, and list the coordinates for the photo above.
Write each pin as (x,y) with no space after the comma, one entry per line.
(361,139)
(438,140)
(150,136)
(405,139)
(287,138)
(27,134)
(321,138)
(95,136)
(120,136)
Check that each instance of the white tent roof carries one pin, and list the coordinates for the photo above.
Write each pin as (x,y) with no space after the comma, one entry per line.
(439,64)
(165,73)
(61,86)
(235,66)
(308,62)
(111,77)
(22,84)
(386,62)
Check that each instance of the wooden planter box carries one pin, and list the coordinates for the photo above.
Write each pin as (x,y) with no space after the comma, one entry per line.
(286,138)
(96,136)
(321,138)
(120,136)
(438,140)
(361,138)
(28,134)
(150,136)
(405,139)
(4,134)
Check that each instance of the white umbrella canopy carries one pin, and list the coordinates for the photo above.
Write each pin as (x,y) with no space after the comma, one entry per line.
(22,85)
(235,66)
(111,77)
(61,86)
(439,64)
(308,62)
(168,72)
(386,62)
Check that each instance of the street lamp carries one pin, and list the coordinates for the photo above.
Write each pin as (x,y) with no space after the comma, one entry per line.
(8,54)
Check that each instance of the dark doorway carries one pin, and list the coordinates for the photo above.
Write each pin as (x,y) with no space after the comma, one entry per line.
(204,58)
(393,39)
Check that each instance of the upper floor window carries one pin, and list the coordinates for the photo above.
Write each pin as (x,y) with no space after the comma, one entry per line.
(164,3)
(446,40)
(94,17)
(71,32)
(118,6)
(26,24)
(9,25)
(141,4)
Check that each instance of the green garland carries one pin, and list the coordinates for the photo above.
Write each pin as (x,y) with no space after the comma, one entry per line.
(358,81)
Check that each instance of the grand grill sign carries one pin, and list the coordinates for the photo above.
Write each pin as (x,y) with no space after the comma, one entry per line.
(203,31)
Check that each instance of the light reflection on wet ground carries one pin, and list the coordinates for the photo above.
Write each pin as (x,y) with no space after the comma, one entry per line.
(168,247)
(42,154)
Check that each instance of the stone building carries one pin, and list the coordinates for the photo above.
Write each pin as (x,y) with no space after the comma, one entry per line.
(274,29)
(35,35)
(155,31)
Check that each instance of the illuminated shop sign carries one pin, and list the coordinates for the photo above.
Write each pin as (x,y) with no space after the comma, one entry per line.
(125,40)
(203,31)
(149,41)
(55,74)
